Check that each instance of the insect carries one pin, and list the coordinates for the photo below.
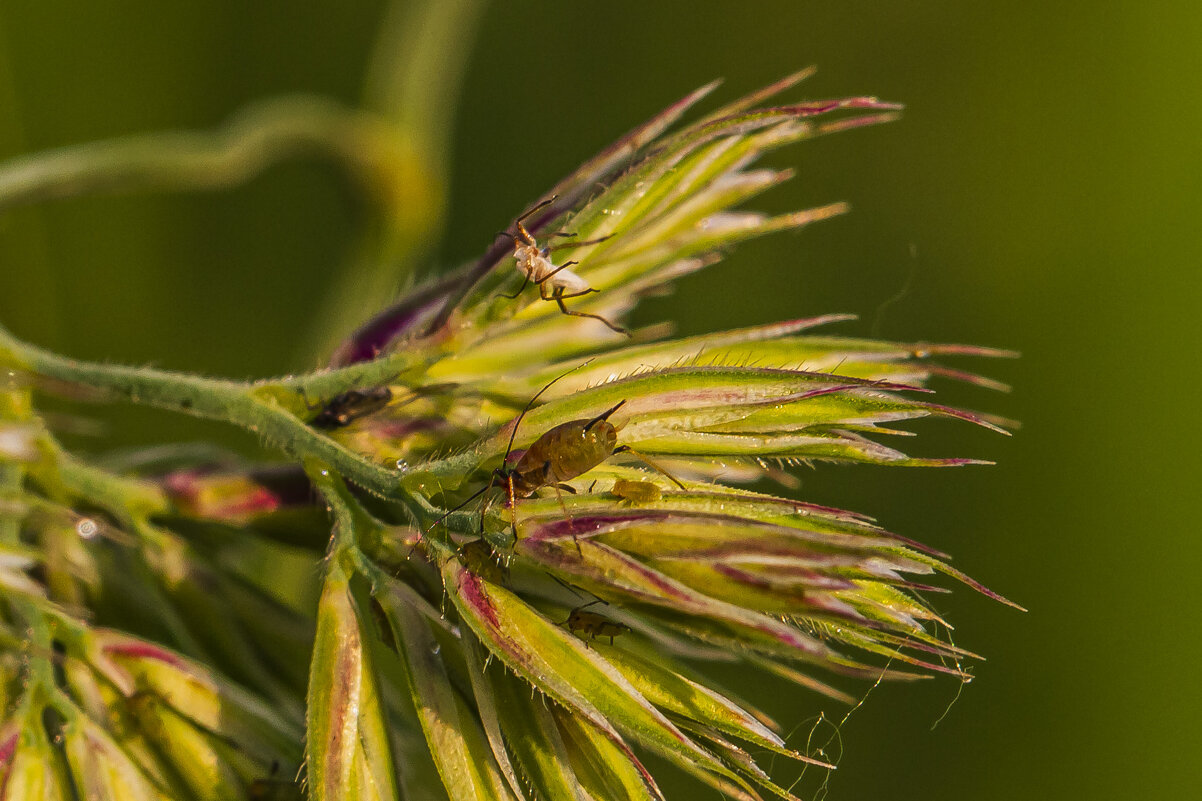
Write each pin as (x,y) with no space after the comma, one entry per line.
(344,409)
(637,491)
(480,558)
(593,624)
(556,283)
(564,452)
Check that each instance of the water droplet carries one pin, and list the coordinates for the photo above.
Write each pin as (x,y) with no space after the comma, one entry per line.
(87,528)
(325,472)
(436,649)
(402,465)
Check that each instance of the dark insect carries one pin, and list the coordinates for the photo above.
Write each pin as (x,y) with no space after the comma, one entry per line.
(566,451)
(556,283)
(593,624)
(274,789)
(348,407)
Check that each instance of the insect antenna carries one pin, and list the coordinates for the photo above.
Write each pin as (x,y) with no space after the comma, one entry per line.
(470,498)
(530,403)
(565,585)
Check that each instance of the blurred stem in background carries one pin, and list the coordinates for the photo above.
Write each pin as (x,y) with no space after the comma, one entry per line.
(413,81)
(395,147)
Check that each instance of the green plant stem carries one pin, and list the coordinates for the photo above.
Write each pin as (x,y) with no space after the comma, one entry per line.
(258,408)
(130,500)
(40,683)
(320,387)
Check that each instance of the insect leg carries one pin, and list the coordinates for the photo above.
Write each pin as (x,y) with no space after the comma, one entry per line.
(558,298)
(558,291)
(521,289)
(526,215)
(542,282)
(513,506)
(305,399)
(578,244)
(649,463)
(571,525)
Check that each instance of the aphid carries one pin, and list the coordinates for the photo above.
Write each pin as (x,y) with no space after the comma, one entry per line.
(593,624)
(348,407)
(480,558)
(566,451)
(556,283)
(637,491)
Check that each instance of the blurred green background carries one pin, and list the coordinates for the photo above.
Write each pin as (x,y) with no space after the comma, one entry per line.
(1040,193)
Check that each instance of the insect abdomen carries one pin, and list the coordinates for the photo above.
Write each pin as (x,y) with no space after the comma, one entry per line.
(570,450)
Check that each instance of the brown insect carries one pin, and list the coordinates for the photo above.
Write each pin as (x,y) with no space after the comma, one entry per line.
(344,409)
(593,624)
(564,452)
(556,283)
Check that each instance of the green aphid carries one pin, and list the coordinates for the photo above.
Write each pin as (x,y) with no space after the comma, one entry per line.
(636,492)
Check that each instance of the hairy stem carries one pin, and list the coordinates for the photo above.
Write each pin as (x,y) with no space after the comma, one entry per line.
(260,409)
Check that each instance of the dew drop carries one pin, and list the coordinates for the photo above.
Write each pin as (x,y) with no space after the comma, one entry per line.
(436,649)
(87,528)
(325,472)
(402,465)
